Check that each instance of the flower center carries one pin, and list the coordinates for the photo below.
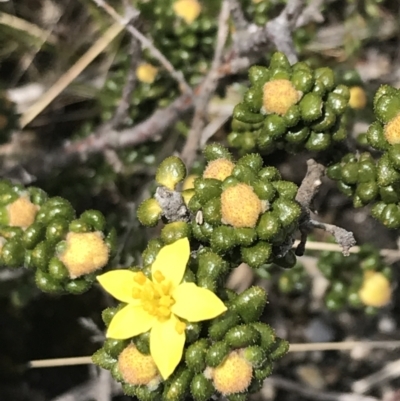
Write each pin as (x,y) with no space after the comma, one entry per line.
(155,296)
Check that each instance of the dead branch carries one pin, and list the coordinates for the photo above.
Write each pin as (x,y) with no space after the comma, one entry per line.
(319,395)
(305,195)
(172,204)
(122,110)
(208,88)
(146,43)
(252,44)
(237,15)
(388,372)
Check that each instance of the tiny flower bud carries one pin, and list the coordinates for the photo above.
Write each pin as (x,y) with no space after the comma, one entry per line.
(146,73)
(358,98)
(188,10)
(375,290)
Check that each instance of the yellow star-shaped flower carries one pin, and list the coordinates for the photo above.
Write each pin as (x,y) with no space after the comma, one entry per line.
(160,304)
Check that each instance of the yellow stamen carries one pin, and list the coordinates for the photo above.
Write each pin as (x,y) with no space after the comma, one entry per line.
(166,287)
(149,290)
(163,311)
(180,327)
(158,276)
(140,278)
(136,293)
(166,300)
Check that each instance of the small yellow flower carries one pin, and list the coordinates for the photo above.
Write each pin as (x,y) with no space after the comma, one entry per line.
(146,73)
(138,369)
(375,290)
(21,212)
(358,98)
(84,253)
(160,304)
(188,10)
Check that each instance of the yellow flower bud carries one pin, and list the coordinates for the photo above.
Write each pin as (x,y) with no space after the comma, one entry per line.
(233,375)
(240,206)
(189,182)
(392,130)
(146,73)
(375,290)
(279,95)
(21,212)
(187,194)
(188,10)
(138,369)
(219,169)
(84,253)
(358,98)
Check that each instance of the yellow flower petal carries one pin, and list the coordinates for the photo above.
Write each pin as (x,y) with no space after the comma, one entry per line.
(195,304)
(166,345)
(129,322)
(171,261)
(118,283)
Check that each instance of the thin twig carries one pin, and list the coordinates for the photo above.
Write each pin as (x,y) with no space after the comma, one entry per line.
(28,28)
(391,255)
(122,110)
(71,74)
(104,137)
(311,13)
(303,347)
(207,89)
(277,32)
(343,237)
(318,395)
(342,346)
(389,371)
(157,124)
(311,183)
(48,363)
(147,44)
(237,14)
(26,61)
(305,195)
(280,29)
